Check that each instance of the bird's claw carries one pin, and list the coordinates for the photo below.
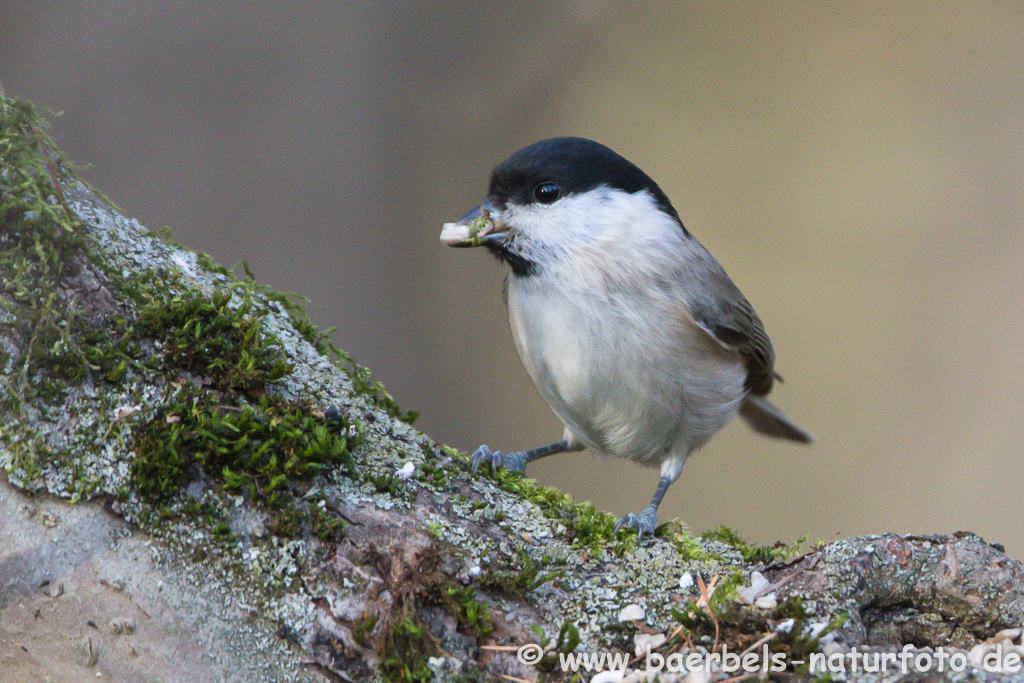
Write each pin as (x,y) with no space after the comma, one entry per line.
(515,462)
(644,523)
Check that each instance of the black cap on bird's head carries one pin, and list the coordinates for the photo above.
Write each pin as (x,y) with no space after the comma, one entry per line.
(556,167)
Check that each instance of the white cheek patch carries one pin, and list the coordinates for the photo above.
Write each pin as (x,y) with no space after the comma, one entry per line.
(569,220)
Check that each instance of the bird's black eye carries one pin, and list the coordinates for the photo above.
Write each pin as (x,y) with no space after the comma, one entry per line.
(547,192)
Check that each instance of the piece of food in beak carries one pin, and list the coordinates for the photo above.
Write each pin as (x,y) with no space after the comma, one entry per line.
(468,234)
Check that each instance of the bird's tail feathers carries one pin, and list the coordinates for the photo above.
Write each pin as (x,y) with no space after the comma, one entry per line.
(765,418)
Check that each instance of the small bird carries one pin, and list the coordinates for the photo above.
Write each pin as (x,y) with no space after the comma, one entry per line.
(629,328)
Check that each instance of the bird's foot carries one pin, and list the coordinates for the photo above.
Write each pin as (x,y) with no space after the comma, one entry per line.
(644,523)
(515,462)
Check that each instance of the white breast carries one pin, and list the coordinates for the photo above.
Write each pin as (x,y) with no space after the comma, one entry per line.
(608,343)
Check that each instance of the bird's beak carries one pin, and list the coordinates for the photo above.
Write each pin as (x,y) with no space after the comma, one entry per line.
(477,227)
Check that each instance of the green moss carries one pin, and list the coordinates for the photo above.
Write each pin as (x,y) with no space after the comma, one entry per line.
(407,648)
(363,628)
(217,335)
(261,447)
(738,626)
(33,201)
(470,613)
(751,554)
(75,349)
(687,545)
(385,482)
(588,527)
(61,337)
(26,454)
(519,582)
(399,636)
(567,641)
(40,240)
(221,321)
(294,519)
(432,473)
(222,531)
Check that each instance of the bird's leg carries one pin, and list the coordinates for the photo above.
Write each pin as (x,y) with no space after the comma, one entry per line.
(647,520)
(517,461)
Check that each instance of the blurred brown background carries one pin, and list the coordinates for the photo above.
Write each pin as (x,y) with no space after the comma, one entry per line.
(857,168)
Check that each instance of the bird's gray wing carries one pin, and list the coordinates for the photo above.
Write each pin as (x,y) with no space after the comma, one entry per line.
(723,312)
